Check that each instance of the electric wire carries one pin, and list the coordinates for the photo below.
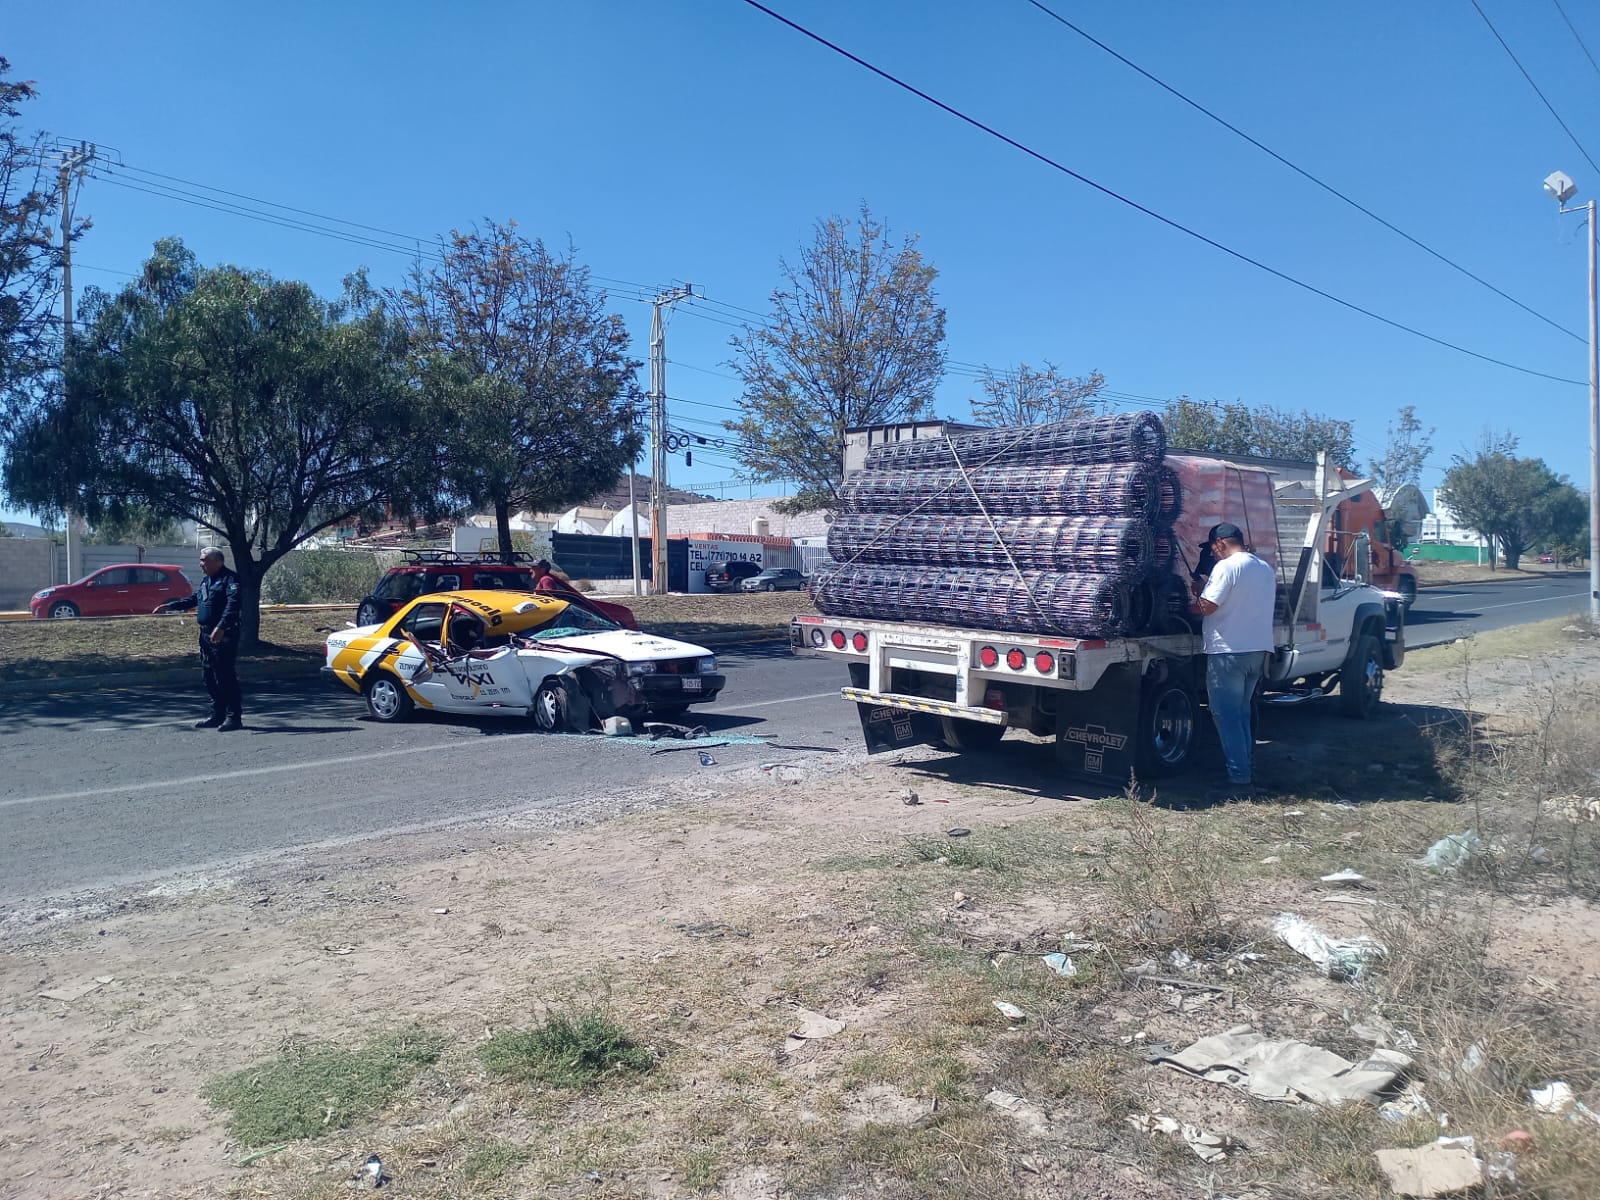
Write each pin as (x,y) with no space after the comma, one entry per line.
(1301,171)
(1536,88)
(1576,36)
(1170,222)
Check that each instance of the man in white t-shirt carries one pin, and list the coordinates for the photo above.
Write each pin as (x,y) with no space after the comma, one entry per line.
(1236,605)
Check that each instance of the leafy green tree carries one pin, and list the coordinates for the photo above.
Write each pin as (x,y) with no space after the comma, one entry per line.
(855,338)
(1512,502)
(531,371)
(30,259)
(239,401)
(138,525)
(1263,431)
(1023,395)
(1407,447)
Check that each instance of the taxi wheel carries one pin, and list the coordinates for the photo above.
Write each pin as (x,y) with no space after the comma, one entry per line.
(387,700)
(550,707)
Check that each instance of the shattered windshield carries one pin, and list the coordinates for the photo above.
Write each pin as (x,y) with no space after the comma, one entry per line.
(574,620)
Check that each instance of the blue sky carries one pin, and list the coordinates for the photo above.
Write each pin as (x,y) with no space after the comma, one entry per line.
(700,140)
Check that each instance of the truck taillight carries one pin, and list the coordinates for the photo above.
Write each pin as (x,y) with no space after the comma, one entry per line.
(838,639)
(1044,662)
(1016,659)
(989,657)
(859,641)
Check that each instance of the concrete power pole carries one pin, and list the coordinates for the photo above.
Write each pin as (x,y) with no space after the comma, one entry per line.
(73,163)
(658,435)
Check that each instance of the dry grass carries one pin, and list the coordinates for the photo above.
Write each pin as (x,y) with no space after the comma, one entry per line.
(864,924)
(1441,574)
(50,649)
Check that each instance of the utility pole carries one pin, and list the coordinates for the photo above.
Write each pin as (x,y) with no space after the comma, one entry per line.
(658,435)
(73,163)
(633,513)
(1594,430)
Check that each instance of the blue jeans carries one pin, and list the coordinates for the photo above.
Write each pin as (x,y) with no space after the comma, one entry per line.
(1230,689)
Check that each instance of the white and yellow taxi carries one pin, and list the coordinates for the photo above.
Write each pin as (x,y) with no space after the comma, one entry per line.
(518,654)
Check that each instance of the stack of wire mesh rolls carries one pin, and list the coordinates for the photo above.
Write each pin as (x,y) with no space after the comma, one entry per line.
(1063,528)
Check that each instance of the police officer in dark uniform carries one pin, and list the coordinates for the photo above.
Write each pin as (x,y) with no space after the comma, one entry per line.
(216,605)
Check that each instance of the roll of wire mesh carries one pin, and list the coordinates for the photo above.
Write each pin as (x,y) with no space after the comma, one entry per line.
(1091,490)
(1120,546)
(1126,437)
(1072,604)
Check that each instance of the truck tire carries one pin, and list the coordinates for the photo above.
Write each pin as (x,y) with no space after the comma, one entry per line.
(1408,592)
(1361,679)
(1168,732)
(962,735)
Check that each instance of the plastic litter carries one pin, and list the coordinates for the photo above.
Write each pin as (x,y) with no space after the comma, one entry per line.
(1345,876)
(1556,1099)
(372,1172)
(707,759)
(1453,851)
(617,727)
(1061,965)
(1285,1070)
(1010,1011)
(909,798)
(1339,958)
(1409,1103)
(1211,1147)
(959,833)
(814,1026)
(1180,959)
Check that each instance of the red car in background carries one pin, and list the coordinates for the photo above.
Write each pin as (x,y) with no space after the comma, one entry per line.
(125,589)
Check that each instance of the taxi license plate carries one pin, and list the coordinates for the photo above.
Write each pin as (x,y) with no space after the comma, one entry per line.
(691,685)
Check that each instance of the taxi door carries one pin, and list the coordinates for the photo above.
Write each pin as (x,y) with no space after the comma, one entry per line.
(478,669)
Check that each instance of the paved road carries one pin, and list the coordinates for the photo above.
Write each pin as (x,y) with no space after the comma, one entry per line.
(116,790)
(1443,614)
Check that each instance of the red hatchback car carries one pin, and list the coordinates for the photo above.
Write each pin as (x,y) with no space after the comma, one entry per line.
(123,590)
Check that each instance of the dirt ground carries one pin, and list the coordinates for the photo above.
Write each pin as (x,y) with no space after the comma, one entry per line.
(51,649)
(710,918)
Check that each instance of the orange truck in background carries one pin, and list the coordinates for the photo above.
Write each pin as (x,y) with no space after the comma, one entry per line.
(1359,528)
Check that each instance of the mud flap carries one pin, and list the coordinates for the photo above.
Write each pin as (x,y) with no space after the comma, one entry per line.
(1097,731)
(885,728)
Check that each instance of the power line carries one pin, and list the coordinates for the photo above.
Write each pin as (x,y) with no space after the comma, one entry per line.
(1536,89)
(1302,172)
(306,212)
(1150,212)
(1576,36)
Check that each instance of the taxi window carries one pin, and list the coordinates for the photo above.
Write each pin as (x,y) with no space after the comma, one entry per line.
(425,622)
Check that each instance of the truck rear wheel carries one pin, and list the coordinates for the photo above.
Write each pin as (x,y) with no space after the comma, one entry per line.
(1407,588)
(1361,679)
(960,734)
(1168,729)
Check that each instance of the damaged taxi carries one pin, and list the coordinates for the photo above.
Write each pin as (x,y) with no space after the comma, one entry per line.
(518,654)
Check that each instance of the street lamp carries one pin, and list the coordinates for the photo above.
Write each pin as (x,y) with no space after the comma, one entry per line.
(1563,189)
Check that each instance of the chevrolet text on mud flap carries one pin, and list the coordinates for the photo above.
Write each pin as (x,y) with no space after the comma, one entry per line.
(1130,706)
(505,653)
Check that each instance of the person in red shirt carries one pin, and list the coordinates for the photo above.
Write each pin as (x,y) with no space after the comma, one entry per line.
(545,580)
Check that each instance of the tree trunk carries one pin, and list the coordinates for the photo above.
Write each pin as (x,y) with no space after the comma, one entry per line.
(502,524)
(1512,557)
(249,573)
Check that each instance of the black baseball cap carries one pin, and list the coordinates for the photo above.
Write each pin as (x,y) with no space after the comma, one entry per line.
(1228,533)
(543,563)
